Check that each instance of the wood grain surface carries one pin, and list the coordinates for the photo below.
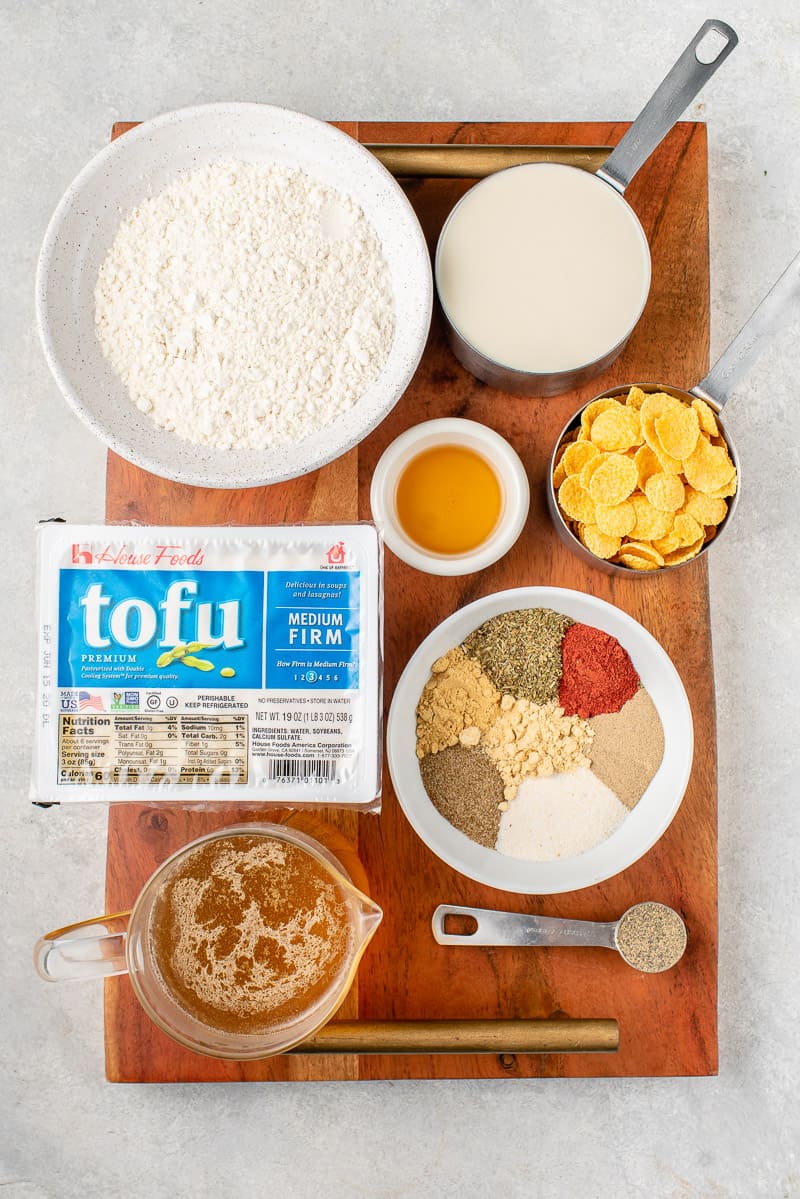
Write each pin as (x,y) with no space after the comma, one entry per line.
(667,1022)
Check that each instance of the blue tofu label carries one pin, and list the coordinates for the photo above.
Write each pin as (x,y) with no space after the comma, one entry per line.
(313,630)
(160,628)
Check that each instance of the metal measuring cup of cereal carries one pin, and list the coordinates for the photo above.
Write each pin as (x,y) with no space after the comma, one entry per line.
(645,476)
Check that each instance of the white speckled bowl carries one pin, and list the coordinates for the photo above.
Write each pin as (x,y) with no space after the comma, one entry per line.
(640,829)
(139,164)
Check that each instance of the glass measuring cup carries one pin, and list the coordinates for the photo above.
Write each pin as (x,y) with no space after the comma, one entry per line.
(123,943)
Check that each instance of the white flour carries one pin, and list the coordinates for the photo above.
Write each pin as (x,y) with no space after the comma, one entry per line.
(245,305)
(559,817)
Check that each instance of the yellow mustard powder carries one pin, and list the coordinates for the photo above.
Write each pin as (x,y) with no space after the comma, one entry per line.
(457,696)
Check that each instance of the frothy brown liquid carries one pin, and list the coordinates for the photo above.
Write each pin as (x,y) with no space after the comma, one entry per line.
(249,932)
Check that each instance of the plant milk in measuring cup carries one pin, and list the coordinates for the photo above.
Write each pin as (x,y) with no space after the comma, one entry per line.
(542,269)
(202,664)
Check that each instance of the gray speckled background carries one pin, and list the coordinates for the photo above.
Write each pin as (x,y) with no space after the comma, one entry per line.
(69,69)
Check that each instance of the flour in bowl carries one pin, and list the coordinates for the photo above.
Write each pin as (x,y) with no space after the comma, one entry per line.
(245,306)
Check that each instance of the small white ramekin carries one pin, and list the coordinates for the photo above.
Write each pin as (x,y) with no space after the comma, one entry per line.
(510,475)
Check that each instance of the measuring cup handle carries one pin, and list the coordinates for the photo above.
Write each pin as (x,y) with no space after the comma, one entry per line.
(668,102)
(778,304)
(89,949)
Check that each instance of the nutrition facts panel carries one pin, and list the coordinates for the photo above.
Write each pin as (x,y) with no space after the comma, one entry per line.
(144,747)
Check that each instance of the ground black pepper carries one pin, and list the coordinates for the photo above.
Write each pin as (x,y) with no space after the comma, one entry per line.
(651,937)
(465,787)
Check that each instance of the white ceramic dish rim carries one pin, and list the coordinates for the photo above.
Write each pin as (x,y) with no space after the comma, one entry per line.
(643,826)
(328,449)
(511,475)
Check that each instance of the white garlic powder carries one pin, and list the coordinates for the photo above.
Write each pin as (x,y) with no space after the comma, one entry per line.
(560,816)
(245,306)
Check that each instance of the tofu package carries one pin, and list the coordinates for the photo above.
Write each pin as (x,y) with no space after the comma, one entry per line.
(203,665)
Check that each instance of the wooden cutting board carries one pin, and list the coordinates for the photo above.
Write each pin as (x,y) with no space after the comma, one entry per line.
(668,1022)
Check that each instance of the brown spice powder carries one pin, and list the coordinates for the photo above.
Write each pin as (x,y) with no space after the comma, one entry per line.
(628,747)
(457,696)
(464,786)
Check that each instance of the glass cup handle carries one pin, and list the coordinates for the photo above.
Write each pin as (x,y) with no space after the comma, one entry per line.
(88,949)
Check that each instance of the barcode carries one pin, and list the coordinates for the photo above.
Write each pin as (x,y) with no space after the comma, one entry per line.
(301,770)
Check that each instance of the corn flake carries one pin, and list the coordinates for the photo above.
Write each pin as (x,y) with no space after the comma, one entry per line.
(643,549)
(672,466)
(598,542)
(677,431)
(636,397)
(685,554)
(589,469)
(704,508)
(616,520)
(616,429)
(613,480)
(665,545)
(577,455)
(591,412)
(665,492)
(654,405)
(727,490)
(708,467)
(636,563)
(706,417)
(646,464)
(575,501)
(651,522)
(687,528)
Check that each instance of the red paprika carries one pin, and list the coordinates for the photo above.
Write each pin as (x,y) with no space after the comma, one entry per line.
(597,673)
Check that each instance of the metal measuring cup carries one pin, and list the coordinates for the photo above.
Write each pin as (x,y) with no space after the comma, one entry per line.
(715,389)
(674,94)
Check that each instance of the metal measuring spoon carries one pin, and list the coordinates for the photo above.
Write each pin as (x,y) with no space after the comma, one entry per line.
(650,936)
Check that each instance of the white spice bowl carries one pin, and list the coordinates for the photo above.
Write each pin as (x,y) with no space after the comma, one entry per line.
(140,164)
(641,828)
(495,450)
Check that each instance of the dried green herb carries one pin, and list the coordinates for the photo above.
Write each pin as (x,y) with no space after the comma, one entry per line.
(520,651)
